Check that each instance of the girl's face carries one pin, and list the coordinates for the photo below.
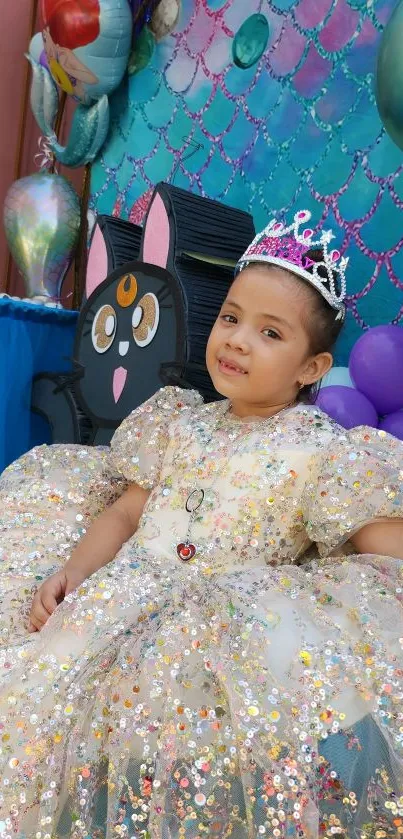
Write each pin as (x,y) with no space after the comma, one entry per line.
(258,352)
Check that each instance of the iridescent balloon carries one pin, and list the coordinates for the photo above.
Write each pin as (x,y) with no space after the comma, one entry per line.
(42,223)
(389,77)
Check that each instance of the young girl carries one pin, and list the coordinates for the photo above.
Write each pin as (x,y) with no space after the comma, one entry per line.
(188,671)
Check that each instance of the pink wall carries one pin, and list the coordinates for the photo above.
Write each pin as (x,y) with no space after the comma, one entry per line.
(14,41)
(14,37)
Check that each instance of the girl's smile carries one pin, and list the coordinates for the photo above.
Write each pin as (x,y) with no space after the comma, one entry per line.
(230,368)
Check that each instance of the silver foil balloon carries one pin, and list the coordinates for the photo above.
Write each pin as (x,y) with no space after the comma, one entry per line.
(389,77)
(42,224)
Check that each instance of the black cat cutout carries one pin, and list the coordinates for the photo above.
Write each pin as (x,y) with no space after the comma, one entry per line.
(114,242)
(128,326)
(148,322)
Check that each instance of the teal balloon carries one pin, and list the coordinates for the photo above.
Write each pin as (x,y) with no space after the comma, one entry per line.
(250,41)
(42,224)
(89,126)
(88,131)
(389,77)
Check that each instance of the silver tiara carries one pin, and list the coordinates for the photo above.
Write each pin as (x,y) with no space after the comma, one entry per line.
(287,247)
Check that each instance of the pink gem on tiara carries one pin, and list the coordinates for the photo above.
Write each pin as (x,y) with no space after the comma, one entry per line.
(285,248)
(288,247)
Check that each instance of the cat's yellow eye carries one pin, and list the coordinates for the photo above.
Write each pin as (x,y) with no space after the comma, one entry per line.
(103,328)
(145,320)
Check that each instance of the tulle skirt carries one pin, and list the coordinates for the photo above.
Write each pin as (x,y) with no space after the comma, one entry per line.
(161,702)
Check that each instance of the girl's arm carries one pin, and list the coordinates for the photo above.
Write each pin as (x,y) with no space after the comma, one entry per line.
(384,538)
(97,548)
(107,534)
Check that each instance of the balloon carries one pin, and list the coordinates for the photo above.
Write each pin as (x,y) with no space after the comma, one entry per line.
(43,60)
(347,406)
(87,45)
(165,18)
(393,424)
(142,52)
(337,376)
(42,223)
(389,77)
(36,48)
(376,367)
(250,41)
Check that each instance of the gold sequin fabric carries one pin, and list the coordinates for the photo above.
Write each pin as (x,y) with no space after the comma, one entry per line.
(255,691)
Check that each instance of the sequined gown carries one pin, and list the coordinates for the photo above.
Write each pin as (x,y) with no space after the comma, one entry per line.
(256,691)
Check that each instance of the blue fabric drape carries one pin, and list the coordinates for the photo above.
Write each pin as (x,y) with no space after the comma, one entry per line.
(33,339)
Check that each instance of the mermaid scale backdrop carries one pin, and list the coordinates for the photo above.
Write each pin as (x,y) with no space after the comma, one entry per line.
(298,129)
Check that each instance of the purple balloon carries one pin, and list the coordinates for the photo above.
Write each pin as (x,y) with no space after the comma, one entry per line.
(347,406)
(376,367)
(393,424)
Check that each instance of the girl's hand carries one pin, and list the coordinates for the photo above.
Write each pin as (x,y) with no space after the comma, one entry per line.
(49,595)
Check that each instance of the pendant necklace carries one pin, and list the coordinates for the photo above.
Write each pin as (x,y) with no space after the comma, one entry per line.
(186,550)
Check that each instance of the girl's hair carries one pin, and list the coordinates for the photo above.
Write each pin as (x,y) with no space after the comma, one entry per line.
(322,325)
(72,23)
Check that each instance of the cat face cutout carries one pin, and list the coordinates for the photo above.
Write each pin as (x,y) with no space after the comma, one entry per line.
(127,328)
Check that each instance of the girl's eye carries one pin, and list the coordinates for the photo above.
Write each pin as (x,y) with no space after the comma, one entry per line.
(229,318)
(270,333)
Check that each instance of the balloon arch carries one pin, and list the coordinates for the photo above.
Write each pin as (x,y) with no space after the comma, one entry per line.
(370,390)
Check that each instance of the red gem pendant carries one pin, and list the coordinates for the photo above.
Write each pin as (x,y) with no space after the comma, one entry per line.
(186,551)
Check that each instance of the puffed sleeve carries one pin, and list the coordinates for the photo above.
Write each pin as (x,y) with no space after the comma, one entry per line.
(358,480)
(139,444)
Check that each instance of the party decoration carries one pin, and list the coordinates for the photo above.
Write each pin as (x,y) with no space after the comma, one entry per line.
(300,128)
(389,77)
(86,45)
(140,207)
(142,11)
(347,406)
(337,376)
(376,367)
(165,18)
(113,242)
(393,424)
(148,322)
(142,52)
(37,50)
(42,223)
(250,41)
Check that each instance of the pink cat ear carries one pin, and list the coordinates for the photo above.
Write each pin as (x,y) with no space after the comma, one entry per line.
(97,264)
(156,235)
